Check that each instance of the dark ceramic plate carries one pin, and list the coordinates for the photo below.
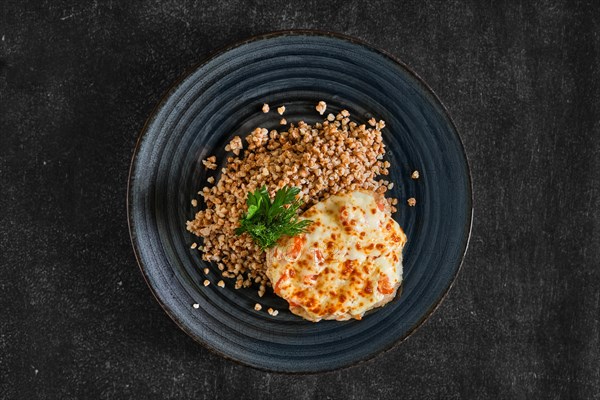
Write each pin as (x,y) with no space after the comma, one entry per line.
(222,98)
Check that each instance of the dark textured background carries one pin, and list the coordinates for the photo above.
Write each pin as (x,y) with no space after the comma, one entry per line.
(76,84)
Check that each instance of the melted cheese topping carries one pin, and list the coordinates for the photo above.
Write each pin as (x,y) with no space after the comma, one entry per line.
(348,262)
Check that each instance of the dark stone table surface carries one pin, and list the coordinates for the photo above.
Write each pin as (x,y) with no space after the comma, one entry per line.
(79,78)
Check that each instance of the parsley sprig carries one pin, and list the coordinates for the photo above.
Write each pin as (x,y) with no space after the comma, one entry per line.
(267,220)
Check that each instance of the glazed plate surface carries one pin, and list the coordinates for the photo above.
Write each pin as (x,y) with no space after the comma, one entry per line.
(222,98)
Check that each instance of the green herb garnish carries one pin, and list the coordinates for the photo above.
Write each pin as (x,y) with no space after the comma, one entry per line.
(266,221)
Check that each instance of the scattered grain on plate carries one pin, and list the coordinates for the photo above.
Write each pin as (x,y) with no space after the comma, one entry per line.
(415,174)
(323,159)
(283,121)
(210,179)
(272,312)
(221,283)
(372,122)
(257,138)
(345,113)
(194,203)
(321,107)
(196,305)
(281,110)
(265,108)
(257,307)
(206,271)
(194,245)
(210,162)
(412,202)
(235,145)
(206,282)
